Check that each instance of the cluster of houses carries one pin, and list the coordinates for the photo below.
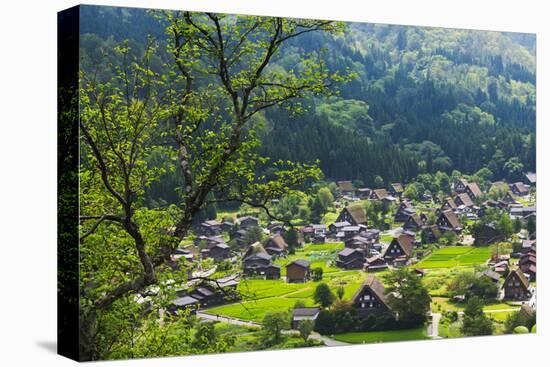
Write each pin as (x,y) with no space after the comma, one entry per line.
(204,294)
(363,249)
(519,276)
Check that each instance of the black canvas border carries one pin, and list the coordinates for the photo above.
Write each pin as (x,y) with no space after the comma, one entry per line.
(68,34)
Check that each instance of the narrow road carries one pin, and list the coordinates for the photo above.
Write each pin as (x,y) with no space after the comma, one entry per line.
(231,320)
(433,328)
(325,339)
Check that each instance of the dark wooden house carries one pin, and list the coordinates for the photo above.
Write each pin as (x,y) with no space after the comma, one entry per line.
(359,242)
(346,187)
(413,222)
(355,216)
(519,189)
(396,189)
(298,271)
(248,221)
(350,258)
(379,194)
(210,228)
(487,234)
(300,314)
(403,212)
(448,221)
(219,252)
(460,186)
(516,286)
(370,298)
(276,245)
(473,190)
(401,246)
(184,303)
(463,199)
(363,193)
(448,203)
(375,263)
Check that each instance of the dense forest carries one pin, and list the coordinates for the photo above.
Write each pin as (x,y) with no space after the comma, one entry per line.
(421,100)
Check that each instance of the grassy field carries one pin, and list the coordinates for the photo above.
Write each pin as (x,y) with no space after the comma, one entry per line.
(386,238)
(454,256)
(383,336)
(320,256)
(276,295)
(440,304)
(251,338)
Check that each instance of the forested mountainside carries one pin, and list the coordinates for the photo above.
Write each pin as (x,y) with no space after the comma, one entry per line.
(423,99)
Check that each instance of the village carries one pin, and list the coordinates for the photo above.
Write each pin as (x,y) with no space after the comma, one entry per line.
(471,244)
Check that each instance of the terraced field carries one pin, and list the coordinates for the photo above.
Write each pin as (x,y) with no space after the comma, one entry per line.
(454,256)
(262,296)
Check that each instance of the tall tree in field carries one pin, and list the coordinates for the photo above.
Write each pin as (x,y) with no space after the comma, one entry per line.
(200,111)
(407,296)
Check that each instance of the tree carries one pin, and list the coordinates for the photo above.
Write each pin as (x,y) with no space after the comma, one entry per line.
(316,209)
(519,318)
(468,284)
(531,225)
(505,226)
(253,234)
(305,327)
(323,295)
(274,323)
(517,225)
(325,197)
(206,102)
(291,238)
(475,322)
(407,296)
(340,292)
(317,274)
(411,192)
(514,169)
(324,323)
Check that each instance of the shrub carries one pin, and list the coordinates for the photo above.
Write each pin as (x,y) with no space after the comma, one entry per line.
(323,295)
(521,330)
(317,274)
(324,324)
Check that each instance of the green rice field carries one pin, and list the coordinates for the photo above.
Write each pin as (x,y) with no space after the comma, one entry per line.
(456,256)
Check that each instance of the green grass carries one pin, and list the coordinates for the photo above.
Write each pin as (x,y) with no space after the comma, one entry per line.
(383,336)
(276,295)
(440,304)
(450,330)
(454,256)
(256,310)
(500,316)
(320,256)
(329,218)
